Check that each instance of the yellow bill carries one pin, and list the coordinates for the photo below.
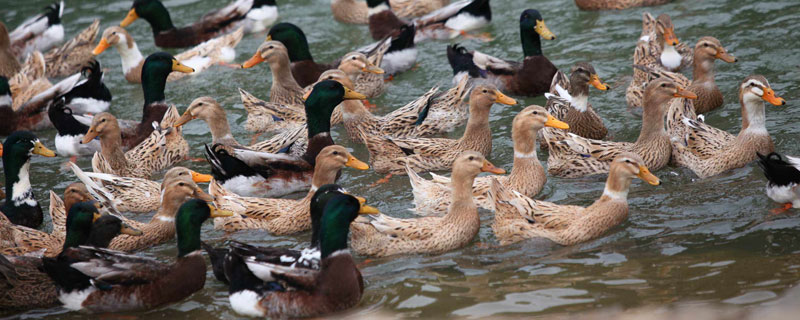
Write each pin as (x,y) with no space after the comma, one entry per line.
(40,149)
(178,66)
(555,123)
(543,31)
(217,213)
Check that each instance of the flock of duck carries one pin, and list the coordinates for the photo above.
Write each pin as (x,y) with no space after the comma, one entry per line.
(84,263)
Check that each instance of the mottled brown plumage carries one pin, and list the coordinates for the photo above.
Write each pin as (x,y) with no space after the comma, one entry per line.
(616,4)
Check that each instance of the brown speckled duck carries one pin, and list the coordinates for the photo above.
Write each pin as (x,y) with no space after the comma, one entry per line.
(357,11)
(594,5)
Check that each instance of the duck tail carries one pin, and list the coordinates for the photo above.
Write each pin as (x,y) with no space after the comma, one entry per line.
(217,257)
(404,39)
(461,61)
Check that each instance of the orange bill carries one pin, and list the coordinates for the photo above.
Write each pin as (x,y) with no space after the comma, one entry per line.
(504,99)
(595,81)
(308,93)
(102,46)
(199,177)
(648,177)
(683,93)
(89,136)
(354,163)
(543,31)
(670,38)
(199,194)
(555,123)
(186,117)
(254,60)
(724,56)
(769,96)
(371,68)
(130,18)
(489,167)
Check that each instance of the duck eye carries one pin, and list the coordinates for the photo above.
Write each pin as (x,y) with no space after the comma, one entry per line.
(485,91)
(471,158)
(181,184)
(536,112)
(102,120)
(663,85)
(336,153)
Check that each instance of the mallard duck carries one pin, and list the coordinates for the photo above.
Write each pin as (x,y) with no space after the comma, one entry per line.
(568,100)
(709,151)
(445,23)
(166,35)
(709,97)
(367,77)
(356,11)
(9,66)
(664,49)
(102,280)
(285,89)
(89,95)
(616,4)
(282,216)
(783,175)
(40,32)
(532,77)
(21,207)
(250,173)
(263,284)
(261,15)
(19,240)
(392,155)
(382,235)
(25,283)
(518,217)
(527,176)
(74,193)
(214,51)
(572,156)
(73,55)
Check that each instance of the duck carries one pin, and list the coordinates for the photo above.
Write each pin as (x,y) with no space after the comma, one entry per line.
(709,151)
(219,50)
(74,54)
(783,175)
(366,76)
(70,132)
(531,77)
(282,216)
(9,65)
(21,207)
(261,15)
(75,192)
(166,35)
(28,286)
(575,156)
(706,51)
(518,217)
(432,197)
(445,23)
(269,175)
(392,155)
(661,46)
(568,100)
(40,32)
(100,280)
(596,5)
(261,286)
(356,12)
(381,235)
(285,89)
(89,95)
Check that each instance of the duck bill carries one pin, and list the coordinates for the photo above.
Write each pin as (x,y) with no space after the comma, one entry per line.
(130,18)
(670,38)
(308,93)
(185,118)
(354,163)
(200,178)
(724,56)
(40,149)
(102,46)
(89,136)
(269,38)
(599,85)
(131,231)
(648,177)
(371,68)
(365,209)
(543,31)
(361,200)
(555,123)
(352,95)
(504,99)
(199,194)
(254,60)
(769,96)
(1,150)
(178,66)
(683,93)
(217,213)
(96,215)
(489,167)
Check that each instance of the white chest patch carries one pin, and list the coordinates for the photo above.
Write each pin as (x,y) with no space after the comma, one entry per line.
(131,57)
(580,103)
(398,61)
(466,22)
(74,300)
(22,193)
(381,7)
(6,100)
(670,57)
(246,303)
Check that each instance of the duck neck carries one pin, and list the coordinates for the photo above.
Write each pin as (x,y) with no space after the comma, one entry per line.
(478,123)
(617,187)
(652,120)
(129,53)
(219,127)
(462,204)
(354,109)
(18,184)
(282,74)
(159,21)
(579,90)
(170,203)
(110,147)
(531,42)
(153,85)
(525,157)
(324,173)
(753,117)
(703,71)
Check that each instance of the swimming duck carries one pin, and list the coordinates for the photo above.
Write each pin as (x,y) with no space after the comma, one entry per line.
(261,287)
(73,55)
(250,173)
(382,235)
(9,66)
(282,216)
(21,207)
(706,51)
(211,52)
(783,175)
(89,95)
(365,74)
(166,35)
(101,280)
(27,286)
(572,156)
(261,15)
(518,217)
(74,193)
(527,176)
(20,240)
(40,32)
(531,77)
(392,155)
(664,49)
(708,151)
(285,89)
(616,4)
(356,12)
(445,23)
(568,100)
